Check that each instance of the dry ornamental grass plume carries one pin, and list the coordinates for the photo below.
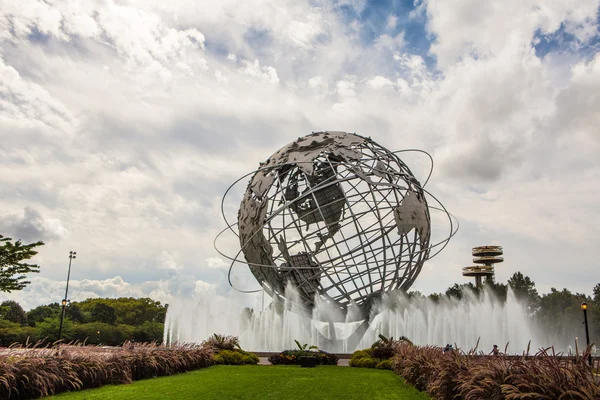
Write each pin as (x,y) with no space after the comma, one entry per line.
(32,372)
(475,376)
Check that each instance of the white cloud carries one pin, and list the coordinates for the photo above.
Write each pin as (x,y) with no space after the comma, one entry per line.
(484,29)
(46,291)
(254,69)
(217,263)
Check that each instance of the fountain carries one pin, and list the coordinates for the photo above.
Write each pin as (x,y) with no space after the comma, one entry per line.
(335,228)
(422,320)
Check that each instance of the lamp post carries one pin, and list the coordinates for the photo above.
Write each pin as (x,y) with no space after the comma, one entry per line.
(72,255)
(587,331)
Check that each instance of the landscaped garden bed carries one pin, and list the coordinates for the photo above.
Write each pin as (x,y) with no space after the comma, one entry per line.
(472,376)
(378,355)
(227,351)
(295,356)
(29,373)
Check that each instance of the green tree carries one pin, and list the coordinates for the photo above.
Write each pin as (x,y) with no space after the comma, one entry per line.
(500,290)
(12,311)
(597,294)
(435,297)
(48,329)
(103,313)
(40,313)
(130,310)
(75,314)
(560,314)
(458,291)
(524,289)
(12,267)
(149,332)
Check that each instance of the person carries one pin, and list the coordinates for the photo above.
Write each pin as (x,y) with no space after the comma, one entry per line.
(447,348)
(495,350)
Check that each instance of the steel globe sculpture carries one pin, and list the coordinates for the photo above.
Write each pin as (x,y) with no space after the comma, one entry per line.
(339,217)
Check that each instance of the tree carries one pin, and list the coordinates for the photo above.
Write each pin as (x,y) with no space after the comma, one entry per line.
(12,267)
(75,314)
(149,332)
(129,310)
(40,313)
(104,313)
(597,294)
(524,290)
(500,290)
(48,329)
(458,291)
(13,312)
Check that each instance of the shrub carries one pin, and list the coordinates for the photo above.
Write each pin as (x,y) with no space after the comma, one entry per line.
(235,357)
(383,348)
(293,357)
(385,364)
(363,359)
(367,362)
(222,342)
(358,354)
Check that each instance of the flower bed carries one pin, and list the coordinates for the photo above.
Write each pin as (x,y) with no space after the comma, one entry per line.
(293,357)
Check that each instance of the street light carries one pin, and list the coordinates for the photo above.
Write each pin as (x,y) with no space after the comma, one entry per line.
(587,331)
(72,255)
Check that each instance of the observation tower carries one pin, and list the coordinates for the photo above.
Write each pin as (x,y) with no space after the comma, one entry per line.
(485,257)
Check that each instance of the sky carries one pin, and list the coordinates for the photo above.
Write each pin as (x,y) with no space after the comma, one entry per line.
(122,123)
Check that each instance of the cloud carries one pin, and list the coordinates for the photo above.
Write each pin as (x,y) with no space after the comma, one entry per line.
(125,122)
(484,29)
(32,226)
(217,263)
(46,291)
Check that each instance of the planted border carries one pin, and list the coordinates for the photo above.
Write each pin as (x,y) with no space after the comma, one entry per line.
(292,357)
(29,373)
(470,376)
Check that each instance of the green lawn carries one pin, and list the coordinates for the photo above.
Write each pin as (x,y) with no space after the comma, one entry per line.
(263,382)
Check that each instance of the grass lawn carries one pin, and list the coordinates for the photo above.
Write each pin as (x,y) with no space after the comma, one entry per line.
(280,382)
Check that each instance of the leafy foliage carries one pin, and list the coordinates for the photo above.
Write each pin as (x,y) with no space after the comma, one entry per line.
(128,310)
(385,364)
(104,313)
(221,342)
(384,347)
(93,321)
(235,357)
(11,311)
(524,289)
(304,346)
(378,356)
(292,357)
(12,267)
(40,313)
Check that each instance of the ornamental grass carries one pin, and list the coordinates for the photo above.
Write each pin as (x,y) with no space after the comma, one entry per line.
(472,375)
(34,372)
